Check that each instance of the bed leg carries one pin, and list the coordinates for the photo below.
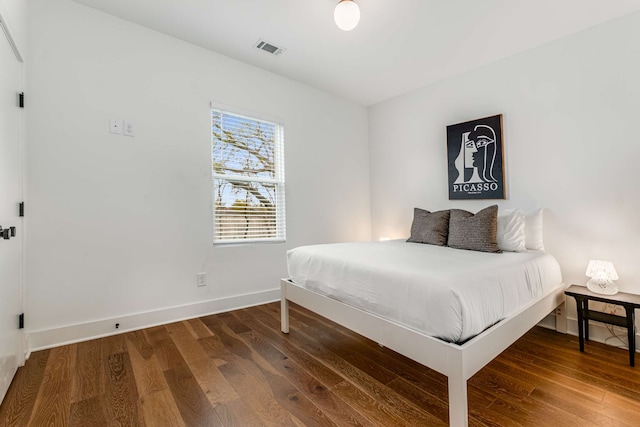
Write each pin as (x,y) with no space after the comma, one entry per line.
(458,406)
(284,309)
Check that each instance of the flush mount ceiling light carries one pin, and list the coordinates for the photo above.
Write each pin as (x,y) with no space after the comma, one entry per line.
(346,15)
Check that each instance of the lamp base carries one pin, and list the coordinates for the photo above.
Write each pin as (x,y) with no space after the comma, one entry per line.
(602,287)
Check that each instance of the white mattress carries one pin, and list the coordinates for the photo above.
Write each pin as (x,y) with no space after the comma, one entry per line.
(446,293)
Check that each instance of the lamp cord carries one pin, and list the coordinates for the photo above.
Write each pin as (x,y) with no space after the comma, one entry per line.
(620,338)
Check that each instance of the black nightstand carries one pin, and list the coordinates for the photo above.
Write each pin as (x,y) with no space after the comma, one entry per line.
(629,301)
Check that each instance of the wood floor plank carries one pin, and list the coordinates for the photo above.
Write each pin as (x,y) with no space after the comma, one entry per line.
(86,382)
(157,403)
(147,372)
(513,394)
(141,343)
(320,394)
(317,368)
(21,396)
(233,323)
(283,391)
(168,355)
(53,404)
(237,413)
(215,349)
(89,412)
(574,402)
(490,379)
(482,410)
(193,405)
(621,408)
(295,402)
(160,410)
(568,353)
(258,397)
(204,368)
(198,328)
(239,369)
(410,370)
(395,404)
(156,334)
(350,350)
(581,410)
(401,410)
(188,347)
(513,356)
(214,385)
(121,395)
(112,345)
(589,374)
(433,405)
(306,361)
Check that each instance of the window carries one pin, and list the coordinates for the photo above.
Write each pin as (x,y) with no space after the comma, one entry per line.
(248,179)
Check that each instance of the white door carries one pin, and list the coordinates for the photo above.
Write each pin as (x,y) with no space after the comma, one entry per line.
(10,195)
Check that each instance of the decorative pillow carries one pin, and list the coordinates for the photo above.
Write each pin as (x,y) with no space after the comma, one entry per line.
(474,232)
(511,235)
(429,227)
(533,230)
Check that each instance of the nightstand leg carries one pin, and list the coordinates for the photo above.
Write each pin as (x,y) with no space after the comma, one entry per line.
(586,320)
(580,302)
(631,334)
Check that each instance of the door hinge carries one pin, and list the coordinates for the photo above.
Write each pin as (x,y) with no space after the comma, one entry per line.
(21,321)
(21,209)
(21,99)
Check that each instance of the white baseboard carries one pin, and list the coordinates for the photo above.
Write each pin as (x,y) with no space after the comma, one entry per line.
(48,338)
(598,332)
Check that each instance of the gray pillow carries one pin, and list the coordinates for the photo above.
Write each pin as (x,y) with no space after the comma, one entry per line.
(474,232)
(429,227)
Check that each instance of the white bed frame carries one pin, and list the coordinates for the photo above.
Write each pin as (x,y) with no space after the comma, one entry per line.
(457,362)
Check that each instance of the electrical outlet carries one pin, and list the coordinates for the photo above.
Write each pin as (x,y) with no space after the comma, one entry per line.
(115,126)
(129,128)
(614,309)
(201,279)
(558,312)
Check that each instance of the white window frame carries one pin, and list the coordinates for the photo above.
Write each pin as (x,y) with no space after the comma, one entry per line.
(278,181)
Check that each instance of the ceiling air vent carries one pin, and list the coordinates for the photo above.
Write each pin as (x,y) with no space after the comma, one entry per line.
(269,48)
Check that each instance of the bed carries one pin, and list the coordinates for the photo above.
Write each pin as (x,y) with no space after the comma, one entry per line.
(485,301)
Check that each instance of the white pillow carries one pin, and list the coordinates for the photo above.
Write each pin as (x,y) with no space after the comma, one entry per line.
(533,230)
(511,230)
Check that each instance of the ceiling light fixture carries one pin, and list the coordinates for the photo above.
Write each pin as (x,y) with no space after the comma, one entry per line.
(347,15)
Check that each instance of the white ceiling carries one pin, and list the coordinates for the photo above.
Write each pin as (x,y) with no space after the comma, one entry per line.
(399,45)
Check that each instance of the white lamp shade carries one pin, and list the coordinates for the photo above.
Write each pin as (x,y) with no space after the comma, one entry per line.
(347,15)
(602,274)
(601,269)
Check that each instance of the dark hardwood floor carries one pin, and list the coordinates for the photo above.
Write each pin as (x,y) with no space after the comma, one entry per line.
(238,369)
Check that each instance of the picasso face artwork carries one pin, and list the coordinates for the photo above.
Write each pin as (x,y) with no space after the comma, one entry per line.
(474,152)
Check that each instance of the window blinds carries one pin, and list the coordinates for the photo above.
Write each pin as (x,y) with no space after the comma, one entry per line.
(248,179)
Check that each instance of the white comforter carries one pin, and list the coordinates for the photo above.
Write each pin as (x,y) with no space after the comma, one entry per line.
(447,293)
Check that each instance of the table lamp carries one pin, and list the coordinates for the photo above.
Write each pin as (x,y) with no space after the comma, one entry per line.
(602,274)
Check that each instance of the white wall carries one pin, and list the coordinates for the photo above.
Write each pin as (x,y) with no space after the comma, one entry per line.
(120,225)
(14,13)
(572,145)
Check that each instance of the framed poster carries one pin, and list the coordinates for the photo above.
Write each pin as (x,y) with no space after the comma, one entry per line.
(475,159)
